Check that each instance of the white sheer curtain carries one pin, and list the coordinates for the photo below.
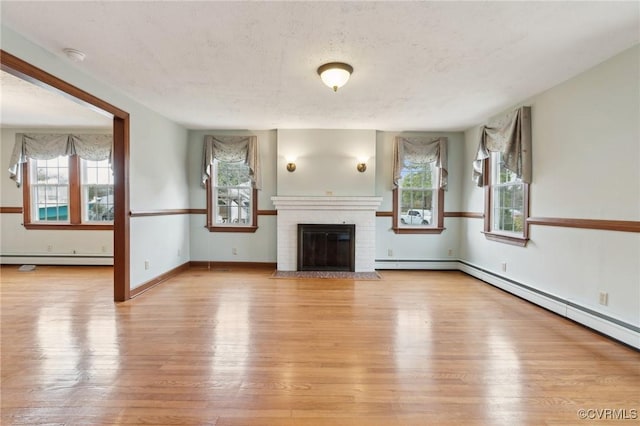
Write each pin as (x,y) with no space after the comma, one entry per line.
(233,149)
(509,134)
(45,146)
(420,150)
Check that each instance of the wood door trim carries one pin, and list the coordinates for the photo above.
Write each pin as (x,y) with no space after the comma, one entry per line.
(121,124)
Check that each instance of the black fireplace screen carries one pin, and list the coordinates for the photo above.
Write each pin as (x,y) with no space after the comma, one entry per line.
(326,247)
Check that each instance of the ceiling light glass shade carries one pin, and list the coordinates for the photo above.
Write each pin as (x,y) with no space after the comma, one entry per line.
(335,74)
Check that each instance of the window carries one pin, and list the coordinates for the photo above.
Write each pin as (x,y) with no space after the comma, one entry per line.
(417,196)
(232,193)
(50,190)
(233,196)
(419,182)
(231,175)
(68,193)
(507,210)
(418,200)
(97,191)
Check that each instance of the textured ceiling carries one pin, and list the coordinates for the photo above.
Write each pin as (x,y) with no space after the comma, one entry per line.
(418,65)
(24,104)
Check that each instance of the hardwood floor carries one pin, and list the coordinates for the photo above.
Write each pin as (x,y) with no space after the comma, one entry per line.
(238,348)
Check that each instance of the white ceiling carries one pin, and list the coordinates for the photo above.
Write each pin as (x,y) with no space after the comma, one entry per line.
(417,65)
(23,104)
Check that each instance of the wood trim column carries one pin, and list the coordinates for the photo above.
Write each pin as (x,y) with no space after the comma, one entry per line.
(121,232)
(75,203)
(26,194)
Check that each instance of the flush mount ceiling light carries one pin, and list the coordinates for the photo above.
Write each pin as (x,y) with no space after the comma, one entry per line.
(335,74)
(74,54)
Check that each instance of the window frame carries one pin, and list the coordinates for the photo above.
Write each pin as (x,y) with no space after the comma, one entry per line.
(211,224)
(505,237)
(434,228)
(74,206)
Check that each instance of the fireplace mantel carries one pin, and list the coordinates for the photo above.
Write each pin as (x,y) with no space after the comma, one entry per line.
(326,203)
(360,211)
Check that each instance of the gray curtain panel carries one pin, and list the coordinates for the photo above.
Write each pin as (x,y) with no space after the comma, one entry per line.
(46,146)
(509,134)
(420,150)
(233,149)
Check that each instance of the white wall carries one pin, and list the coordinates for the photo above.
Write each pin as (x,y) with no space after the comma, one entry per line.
(428,251)
(326,162)
(586,153)
(158,180)
(158,166)
(218,246)
(19,245)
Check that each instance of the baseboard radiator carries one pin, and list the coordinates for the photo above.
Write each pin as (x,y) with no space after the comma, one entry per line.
(57,259)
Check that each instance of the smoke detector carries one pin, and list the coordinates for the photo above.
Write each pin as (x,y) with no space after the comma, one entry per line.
(74,54)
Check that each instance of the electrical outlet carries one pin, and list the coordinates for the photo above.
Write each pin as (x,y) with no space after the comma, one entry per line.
(104,249)
(234,251)
(179,252)
(504,266)
(604,298)
(50,248)
(147,264)
(450,252)
(389,252)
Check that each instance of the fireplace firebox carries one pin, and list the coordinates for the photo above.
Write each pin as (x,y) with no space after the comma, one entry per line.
(326,247)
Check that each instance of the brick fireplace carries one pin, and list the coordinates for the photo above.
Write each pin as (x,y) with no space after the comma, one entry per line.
(294,210)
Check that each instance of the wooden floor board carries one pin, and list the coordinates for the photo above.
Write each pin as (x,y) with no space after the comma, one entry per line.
(236,347)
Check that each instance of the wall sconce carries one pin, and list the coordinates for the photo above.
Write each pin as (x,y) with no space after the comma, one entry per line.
(361,167)
(291,167)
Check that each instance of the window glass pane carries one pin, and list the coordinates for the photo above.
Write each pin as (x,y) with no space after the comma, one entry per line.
(49,189)
(232,194)
(50,203)
(41,175)
(507,197)
(96,172)
(508,207)
(417,194)
(500,174)
(97,191)
(244,205)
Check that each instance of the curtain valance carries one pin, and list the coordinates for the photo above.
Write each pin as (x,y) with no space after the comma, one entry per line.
(511,135)
(233,149)
(420,150)
(42,146)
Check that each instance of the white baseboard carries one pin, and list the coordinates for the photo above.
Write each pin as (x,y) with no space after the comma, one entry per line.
(609,326)
(56,260)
